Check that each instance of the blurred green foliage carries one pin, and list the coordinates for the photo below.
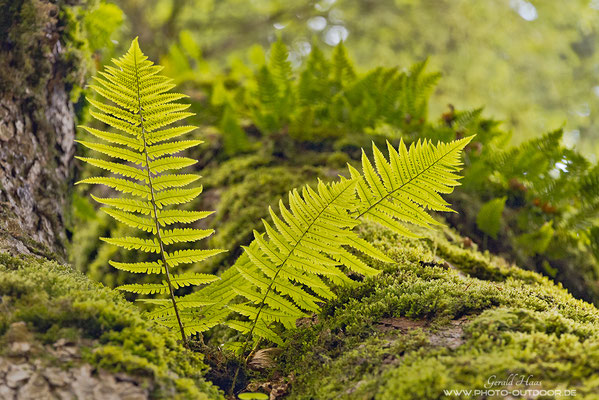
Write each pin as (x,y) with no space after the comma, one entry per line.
(489,216)
(308,102)
(532,64)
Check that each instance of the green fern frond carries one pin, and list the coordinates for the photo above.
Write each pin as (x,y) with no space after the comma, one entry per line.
(399,190)
(279,64)
(416,90)
(288,270)
(273,96)
(139,110)
(343,69)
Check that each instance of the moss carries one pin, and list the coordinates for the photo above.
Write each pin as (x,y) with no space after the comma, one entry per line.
(425,325)
(453,249)
(55,302)
(24,23)
(555,361)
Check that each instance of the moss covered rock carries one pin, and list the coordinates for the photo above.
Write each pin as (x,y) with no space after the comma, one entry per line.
(444,317)
(55,322)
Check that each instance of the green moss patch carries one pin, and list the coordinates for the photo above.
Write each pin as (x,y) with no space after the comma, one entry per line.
(442,317)
(57,303)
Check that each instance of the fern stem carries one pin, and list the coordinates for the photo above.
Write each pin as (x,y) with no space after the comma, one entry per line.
(155,211)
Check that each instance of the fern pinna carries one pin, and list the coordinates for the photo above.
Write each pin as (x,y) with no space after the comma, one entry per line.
(143,153)
(287,271)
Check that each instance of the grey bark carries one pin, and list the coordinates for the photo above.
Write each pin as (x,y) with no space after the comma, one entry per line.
(37,128)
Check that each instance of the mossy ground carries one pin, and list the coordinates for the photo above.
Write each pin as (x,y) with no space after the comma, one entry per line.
(441,318)
(57,303)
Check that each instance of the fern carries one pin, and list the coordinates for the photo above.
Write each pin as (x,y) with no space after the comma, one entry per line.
(397,191)
(143,150)
(309,245)
(417,87)
(330,98)
(287,269)
(342,67)
(274,98)
(287,272)
(531,158)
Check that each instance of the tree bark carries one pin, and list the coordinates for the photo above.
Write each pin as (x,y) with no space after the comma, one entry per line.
(37,128)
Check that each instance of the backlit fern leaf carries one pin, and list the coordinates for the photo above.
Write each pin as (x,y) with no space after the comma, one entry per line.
(397,191)
(141,109)
(288,270)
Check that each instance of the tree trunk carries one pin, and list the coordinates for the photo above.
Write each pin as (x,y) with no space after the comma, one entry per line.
(37,128)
